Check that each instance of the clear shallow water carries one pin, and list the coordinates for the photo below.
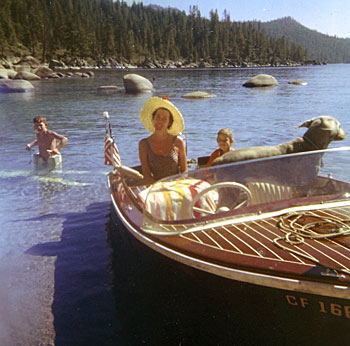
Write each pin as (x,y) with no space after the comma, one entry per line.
(56,265)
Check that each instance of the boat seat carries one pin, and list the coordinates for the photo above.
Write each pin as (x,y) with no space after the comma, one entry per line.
(202,161)
(263,192)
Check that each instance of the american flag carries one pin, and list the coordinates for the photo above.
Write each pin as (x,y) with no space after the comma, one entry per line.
(112,156)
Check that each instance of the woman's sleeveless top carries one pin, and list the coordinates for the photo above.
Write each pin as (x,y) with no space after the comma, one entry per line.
(163,166)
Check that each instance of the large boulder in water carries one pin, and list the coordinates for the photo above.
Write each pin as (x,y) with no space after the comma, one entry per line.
(261,80)
(134,83)
(15,86)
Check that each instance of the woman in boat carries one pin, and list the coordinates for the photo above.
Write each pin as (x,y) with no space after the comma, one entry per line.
(46,139)
(163,153)
(225,142)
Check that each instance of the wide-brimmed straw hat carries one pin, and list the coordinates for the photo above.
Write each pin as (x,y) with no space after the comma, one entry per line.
(151,105)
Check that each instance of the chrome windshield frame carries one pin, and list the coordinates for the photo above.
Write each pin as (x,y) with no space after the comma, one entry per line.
(302,181)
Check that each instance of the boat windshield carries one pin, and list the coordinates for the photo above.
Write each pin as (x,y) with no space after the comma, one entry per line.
(250,189)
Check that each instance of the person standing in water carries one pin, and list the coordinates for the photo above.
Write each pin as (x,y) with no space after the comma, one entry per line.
(46,139)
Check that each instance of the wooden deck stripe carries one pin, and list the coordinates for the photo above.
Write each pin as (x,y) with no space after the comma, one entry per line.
(212,239)
(227,240)
(267,238)
(194,235)
(243,241)
(234,236)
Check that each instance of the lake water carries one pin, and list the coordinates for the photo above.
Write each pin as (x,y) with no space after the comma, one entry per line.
(65,280)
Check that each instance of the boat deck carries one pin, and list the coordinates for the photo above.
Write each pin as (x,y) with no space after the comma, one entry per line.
(269,245)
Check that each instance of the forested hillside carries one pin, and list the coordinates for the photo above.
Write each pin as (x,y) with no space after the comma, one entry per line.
(319,46)
(102,29)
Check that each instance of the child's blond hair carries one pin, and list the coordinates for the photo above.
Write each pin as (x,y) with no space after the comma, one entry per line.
(227,132)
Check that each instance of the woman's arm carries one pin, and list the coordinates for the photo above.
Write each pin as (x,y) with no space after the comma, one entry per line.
(182,154)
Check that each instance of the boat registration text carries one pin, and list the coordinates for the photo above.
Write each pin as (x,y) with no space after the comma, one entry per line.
(334,309)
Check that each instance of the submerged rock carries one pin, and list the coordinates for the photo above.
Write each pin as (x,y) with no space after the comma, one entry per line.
(108,90)
(197,95)
(261,80)
(298,82)
(15,86)
(134,83)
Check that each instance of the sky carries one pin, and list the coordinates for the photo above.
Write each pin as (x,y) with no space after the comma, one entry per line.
(330,17)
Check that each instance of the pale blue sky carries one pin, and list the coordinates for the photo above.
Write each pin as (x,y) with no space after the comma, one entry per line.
(330,17)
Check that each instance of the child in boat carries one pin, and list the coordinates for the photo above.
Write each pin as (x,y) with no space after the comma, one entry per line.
(225,142)
(46,139)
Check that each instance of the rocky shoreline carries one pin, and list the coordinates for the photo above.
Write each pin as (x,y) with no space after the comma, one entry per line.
(17,73)
(30,68)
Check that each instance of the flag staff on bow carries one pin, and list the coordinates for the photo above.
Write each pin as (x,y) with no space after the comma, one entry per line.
(112,156)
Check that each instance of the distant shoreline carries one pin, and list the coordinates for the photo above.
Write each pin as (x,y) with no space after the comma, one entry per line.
(30,62)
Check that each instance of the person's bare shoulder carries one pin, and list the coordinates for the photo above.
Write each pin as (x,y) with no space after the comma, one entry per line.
(54,134)
(142,142)
(179,142)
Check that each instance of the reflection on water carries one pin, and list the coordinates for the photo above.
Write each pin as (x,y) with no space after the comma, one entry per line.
(17,97)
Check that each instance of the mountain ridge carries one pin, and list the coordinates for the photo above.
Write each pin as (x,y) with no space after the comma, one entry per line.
(319,46)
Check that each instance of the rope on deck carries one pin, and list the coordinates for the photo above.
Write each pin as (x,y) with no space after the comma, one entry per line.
(296,232)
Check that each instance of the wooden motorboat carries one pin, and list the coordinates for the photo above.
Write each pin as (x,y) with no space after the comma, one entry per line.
(281,223)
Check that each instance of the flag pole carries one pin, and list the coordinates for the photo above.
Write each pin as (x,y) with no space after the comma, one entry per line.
(110,135)
(108,125)
(114,158)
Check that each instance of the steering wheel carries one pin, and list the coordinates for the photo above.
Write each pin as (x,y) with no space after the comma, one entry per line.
(217,186)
